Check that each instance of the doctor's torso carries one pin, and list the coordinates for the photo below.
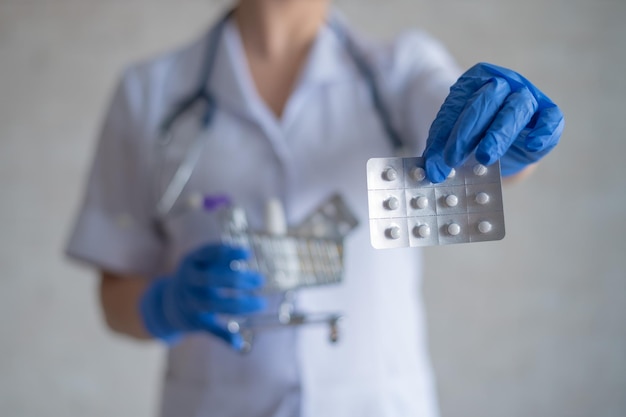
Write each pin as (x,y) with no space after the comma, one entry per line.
(319,147)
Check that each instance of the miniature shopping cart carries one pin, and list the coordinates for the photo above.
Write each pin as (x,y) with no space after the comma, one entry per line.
(309,255)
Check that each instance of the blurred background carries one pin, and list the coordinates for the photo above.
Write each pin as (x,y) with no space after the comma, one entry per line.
(534,325)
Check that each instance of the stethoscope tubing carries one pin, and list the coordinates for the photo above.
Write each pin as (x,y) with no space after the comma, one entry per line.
(184,171)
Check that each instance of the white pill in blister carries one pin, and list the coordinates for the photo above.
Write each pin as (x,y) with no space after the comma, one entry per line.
(390,174)
(423,230)
(391,203)
(482,198)
(484,227)
(452,173)
(393,232)
(418,174)
(452,200)
(454,229)
(480,170)
(420,202)
(233,326)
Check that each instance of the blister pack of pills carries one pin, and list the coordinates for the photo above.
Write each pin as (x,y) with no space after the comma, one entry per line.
(405,209)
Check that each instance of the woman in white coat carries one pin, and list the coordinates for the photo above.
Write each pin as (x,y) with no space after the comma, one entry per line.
(293,103)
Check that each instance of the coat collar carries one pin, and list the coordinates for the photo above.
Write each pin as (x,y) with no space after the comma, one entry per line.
(234,88)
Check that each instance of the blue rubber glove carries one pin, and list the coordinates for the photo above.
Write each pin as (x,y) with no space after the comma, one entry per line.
(499,114)
(204,286)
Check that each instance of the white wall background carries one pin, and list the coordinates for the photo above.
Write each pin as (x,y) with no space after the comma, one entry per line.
(534,325)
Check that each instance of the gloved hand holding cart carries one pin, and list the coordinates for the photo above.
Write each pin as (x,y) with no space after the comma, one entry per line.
(218,287)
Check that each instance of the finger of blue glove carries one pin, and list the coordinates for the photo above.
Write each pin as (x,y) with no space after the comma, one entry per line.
(155,308)
(214,266)
(436,169)
(478,114)
(229,302)
(449,112)
(510,120)
(217,254)
(219,275)
(226,277)
(546,130)
(539,137)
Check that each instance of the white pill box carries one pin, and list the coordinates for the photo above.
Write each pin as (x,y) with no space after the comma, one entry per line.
(405,209)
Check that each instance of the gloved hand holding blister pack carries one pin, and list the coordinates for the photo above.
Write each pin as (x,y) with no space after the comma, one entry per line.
(497,113)
(204,286)
(493,121)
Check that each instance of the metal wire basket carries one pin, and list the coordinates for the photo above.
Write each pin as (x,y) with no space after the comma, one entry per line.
(310,254)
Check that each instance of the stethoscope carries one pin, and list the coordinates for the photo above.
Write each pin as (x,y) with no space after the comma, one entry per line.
(202,94)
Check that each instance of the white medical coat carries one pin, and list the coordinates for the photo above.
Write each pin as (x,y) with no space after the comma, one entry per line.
(318,147)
